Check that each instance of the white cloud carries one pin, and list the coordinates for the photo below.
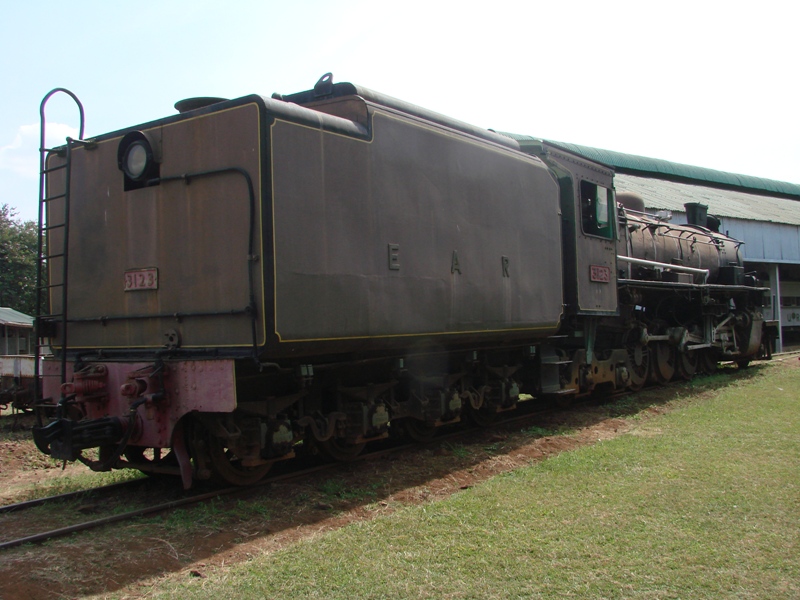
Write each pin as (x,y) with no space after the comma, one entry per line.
(21,156)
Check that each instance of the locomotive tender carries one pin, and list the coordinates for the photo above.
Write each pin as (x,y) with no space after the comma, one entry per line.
(255,277)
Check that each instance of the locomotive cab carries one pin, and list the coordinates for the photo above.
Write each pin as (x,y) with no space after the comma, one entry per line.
(589,229)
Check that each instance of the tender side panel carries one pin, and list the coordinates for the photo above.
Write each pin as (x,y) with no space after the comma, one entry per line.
(420,231)
(195,236)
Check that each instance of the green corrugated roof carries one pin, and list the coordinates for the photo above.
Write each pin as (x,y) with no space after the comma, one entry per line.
(664,169)
(9,316)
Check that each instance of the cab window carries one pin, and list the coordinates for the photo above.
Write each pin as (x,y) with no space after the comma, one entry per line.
(597,210)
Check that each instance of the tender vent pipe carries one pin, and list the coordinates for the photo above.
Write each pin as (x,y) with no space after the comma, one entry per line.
(188,104)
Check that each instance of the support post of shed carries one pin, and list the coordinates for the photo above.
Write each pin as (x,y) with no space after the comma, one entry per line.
(775,296)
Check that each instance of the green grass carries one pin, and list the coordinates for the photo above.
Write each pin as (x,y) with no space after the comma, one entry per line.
(458,450)
(537,431)
(336,489)
(703,502)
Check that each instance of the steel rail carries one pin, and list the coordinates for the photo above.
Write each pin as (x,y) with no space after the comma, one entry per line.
(68,495)
(47,535)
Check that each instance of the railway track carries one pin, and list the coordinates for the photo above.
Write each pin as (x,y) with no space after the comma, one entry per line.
(389,448)
(113,487)
(149,510)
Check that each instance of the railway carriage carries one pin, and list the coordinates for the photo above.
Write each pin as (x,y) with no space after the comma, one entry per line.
(257,277)
(16,360)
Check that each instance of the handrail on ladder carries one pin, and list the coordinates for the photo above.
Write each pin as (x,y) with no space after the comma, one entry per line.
(41,258)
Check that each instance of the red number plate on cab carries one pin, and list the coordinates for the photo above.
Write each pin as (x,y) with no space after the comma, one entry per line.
(600,274)
(141,279)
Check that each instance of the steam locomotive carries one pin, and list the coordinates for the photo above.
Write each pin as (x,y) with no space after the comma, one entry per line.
(258,277)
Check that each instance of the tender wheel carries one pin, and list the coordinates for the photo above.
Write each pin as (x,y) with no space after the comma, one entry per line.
(477,410)
(419,431)
(225,466)
(662,367)
(340,450)
(482,417)
(687,364)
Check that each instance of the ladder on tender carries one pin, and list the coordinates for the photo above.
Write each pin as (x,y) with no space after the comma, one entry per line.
(48,316)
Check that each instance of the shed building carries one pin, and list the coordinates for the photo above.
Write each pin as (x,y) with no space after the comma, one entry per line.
(16,332)
(16,349)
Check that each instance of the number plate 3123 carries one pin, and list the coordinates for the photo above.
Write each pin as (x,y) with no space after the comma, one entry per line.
(600,274)
(141,279)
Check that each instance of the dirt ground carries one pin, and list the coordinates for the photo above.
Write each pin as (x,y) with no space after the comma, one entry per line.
(127,558)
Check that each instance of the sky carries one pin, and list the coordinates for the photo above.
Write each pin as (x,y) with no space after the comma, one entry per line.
(703,82)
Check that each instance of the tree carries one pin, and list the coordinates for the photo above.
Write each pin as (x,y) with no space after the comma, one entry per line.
(18,247)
